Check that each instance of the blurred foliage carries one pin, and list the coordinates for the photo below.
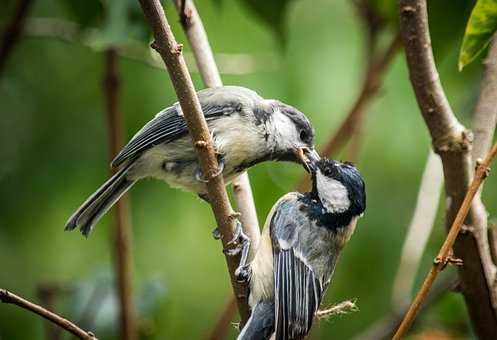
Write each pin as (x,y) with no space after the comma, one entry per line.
(53,154)
(481,26)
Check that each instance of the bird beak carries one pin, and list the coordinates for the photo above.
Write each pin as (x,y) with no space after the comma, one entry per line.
(308,158)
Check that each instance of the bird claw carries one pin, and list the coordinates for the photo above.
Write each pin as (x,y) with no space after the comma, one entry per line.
(199,175)
(243,273)
(216,234)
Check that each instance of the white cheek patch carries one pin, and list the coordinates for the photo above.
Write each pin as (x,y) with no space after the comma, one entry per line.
(333,194)
(284,129)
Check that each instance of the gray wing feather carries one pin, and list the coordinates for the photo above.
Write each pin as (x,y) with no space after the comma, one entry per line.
(167,126)
(298,290)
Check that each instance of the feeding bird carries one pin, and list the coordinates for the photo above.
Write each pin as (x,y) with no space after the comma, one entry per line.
(246,130)
(299,248)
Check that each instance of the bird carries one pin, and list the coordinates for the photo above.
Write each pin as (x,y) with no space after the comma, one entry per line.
(246,129)
(302,239)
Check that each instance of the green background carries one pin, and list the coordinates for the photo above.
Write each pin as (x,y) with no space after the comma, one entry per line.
(53,153)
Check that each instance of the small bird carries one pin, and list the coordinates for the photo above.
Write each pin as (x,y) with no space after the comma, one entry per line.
(300,245)
(246,129)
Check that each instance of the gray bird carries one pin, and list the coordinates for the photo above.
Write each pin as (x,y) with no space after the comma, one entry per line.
(246,129)
(300,245)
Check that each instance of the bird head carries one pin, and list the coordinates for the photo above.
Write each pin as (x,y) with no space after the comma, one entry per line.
(339,186)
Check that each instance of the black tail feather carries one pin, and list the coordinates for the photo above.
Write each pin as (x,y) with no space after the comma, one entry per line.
(100,202)
(260,325)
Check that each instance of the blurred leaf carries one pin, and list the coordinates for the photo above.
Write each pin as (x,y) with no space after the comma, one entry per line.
(272,13)
(84,12)
(482,24)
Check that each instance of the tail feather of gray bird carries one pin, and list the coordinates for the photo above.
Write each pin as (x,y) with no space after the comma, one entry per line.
(260,325)
(90,212)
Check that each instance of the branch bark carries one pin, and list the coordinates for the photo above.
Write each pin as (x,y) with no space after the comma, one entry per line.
(484,120)
(8,297)
(204,58)
(121,231)
(13,31)
(171,53)
(452,141)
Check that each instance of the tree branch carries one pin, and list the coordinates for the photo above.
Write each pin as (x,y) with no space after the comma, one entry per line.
(13,31)
(452,142)
(242,191)
(221,328)
(8,297)
(444,256)
(121,231)
(419,231)
(170,51)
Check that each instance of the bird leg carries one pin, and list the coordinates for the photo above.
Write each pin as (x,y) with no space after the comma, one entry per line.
(199,175)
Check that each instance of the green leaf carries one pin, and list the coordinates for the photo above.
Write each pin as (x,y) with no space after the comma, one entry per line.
(272,13)
(482,24)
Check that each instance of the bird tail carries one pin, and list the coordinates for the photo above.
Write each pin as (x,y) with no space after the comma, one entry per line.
(100,202)
(260,325)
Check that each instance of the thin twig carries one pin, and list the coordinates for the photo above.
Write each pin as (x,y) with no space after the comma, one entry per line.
(48,293)
(8,297)
(344,307)
(370,87)
(204,58)
(121,231)
(452,141)
(444,257)
(13,31)
(419,230)
(171,53)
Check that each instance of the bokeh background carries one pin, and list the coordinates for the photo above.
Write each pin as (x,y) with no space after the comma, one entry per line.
(54,152)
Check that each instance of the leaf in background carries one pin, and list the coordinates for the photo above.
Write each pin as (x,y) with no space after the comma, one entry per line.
(272,13)
(482,24)
(84,12)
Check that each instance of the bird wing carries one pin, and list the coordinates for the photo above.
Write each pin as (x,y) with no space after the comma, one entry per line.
(169,124)
(298,290)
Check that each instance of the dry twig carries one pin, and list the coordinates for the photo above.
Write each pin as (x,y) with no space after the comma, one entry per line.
(121,231)
(8,297)
(171,53)
(344,307)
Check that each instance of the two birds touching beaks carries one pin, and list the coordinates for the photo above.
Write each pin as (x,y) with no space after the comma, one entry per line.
(303,234)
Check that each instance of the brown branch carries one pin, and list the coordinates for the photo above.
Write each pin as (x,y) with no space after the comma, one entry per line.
(13,31)
(344,307)
(8,297)
(370,87)
(204,58)
(444,257)
(48,294)
(171,53)
(121,230)
(419,231)
(452,142)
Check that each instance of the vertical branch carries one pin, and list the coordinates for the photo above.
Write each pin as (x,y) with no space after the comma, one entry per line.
(121,231)
(452,142)
(48,294)
(484,120)
(223,323)
(13,31)
(195,32)
(171,53)
(419,231)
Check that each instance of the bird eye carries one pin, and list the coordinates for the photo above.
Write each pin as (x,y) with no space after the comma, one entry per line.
(304,136)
